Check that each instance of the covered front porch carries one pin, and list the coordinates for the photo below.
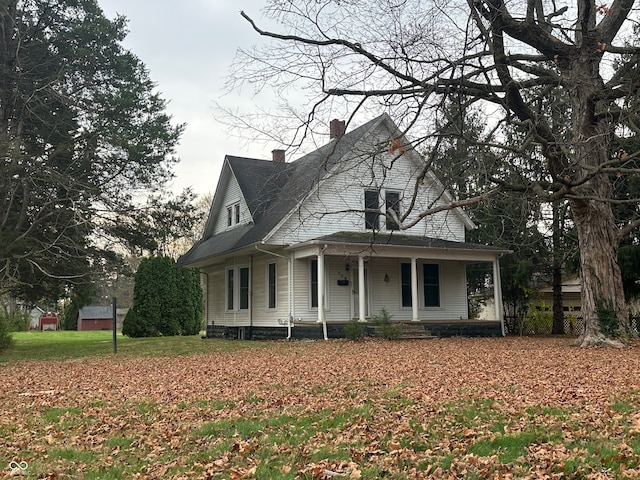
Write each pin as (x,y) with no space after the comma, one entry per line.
(416,280)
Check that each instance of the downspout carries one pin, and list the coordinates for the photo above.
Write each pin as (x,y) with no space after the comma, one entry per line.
(289,282)
(321,284)
(291,293)
(497,293)
(251,298)
(206,301)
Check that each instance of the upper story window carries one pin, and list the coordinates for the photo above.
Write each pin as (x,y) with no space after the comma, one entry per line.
(372,208)
(371,200)
(392,202)
(233,214)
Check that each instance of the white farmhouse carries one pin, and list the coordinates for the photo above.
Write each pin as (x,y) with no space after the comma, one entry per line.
(297,249)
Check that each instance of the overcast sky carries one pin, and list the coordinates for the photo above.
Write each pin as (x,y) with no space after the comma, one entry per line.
(187,47)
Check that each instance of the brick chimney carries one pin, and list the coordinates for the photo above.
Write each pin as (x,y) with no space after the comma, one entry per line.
(336,128)
(277,155)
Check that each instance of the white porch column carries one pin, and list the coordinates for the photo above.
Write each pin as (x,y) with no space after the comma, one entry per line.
(361,292)
(321,293)
(414,290)
(497,294)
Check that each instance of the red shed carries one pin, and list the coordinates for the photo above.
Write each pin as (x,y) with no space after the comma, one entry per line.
(48,321)
(95,318)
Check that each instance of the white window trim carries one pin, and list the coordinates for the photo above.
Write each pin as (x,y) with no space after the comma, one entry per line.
(234,216)
(236,289)
(226,289)
(384,205)
(266,288)
(376,223)
(421,285)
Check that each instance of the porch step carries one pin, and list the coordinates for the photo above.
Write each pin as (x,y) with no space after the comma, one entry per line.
(413,331)
(408,331)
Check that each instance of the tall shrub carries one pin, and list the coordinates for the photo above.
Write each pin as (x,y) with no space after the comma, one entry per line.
(167,300)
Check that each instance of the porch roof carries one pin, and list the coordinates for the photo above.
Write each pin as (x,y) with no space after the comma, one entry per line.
(397,244)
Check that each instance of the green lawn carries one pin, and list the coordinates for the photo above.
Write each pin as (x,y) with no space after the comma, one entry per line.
(62,345)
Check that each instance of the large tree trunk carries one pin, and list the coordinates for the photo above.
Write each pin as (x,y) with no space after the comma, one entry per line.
(604,309)
(601,278)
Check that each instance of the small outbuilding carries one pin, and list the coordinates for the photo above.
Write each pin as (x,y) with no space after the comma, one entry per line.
(95,317)
(49,321)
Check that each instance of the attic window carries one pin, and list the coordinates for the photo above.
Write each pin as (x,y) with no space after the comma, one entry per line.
(233,214)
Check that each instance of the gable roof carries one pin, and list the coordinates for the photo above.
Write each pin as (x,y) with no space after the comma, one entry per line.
(272,190)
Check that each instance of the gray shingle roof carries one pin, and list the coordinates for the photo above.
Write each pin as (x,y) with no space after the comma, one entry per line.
(94,312)
(272,190)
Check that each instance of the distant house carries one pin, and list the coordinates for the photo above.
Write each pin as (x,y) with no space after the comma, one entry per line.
(34,318)
(298,249)
(571,303)
(571,296)
(95,318)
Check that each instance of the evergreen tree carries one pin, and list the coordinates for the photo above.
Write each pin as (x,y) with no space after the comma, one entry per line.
(84,140)
(167,300)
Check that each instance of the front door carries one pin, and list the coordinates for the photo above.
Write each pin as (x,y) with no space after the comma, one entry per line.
(355,292)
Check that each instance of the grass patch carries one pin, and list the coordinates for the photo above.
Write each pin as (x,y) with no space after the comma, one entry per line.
(56,415)
(508,447)
(62,345)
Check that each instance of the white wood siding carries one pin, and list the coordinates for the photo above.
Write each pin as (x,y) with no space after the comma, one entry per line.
(453,293)
(262,315)
(387,295)
(232,195)
(338,204)
(215,296)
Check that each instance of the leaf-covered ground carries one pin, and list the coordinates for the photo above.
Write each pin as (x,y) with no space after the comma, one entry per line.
(449,408)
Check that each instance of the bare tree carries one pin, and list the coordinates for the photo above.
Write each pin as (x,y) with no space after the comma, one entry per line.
(513,60)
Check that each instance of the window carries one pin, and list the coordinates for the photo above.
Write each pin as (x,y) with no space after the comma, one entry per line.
(230,289)
(371,209)
(271,285)
(405,278)
(237,288)
(233,214)
(392,202)
(244,288)
(431,272)
(314,284)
